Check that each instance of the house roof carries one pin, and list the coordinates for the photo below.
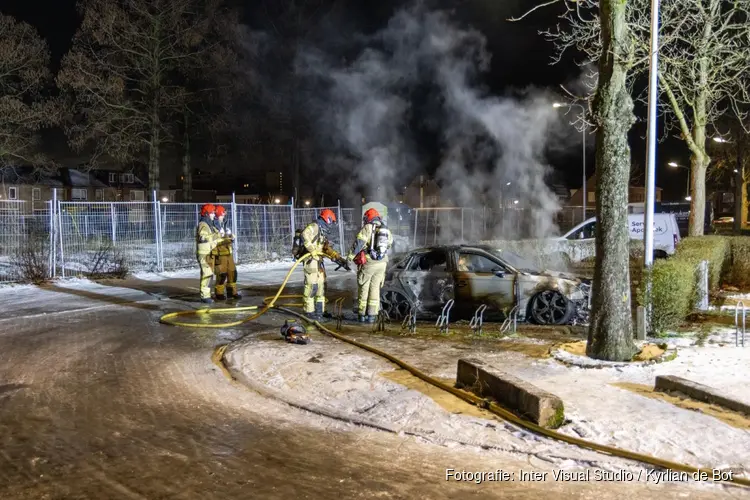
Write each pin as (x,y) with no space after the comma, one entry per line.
(76,178)
(103,177)
(31,176)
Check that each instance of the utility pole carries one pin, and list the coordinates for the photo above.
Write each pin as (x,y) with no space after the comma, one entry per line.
(648,229)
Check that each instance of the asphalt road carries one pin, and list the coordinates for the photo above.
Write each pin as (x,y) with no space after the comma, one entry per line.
(105,402)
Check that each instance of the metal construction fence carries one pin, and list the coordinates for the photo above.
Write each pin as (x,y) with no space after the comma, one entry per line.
(68,238)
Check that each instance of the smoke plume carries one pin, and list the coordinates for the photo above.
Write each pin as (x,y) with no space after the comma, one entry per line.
(421,72)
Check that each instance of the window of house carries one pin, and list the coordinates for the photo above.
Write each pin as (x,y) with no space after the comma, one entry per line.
(126,178)
(12,193)
(36,194)
(99,194)
(78,194)
(136,195)
(112,177)
(591,196)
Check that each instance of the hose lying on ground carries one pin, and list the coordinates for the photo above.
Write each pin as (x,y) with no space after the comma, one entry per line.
(270,303)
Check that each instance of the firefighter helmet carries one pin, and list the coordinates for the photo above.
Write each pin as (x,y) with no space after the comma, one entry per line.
(220,211)
(371,215)
(206,209)
(328,216)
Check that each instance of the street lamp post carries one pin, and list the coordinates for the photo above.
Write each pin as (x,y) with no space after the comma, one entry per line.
(675,165)
(583,141)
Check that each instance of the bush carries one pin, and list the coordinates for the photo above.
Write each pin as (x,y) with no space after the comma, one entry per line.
(30,259)
(739,271)
(675,279)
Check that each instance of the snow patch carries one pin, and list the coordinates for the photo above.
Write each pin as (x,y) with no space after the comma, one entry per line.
(190,273)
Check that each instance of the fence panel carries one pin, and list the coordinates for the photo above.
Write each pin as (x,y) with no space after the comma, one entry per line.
(100,237)
(24,245)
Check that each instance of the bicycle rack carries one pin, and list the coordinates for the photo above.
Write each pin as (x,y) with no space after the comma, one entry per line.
(444,320)
(338,309)
(511,319)
(737,342)
(381,321)
(478,320)
(410,320)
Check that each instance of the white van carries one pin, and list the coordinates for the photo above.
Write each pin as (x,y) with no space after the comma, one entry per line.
(666,232)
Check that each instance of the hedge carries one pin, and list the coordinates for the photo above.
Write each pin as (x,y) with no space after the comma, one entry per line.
(739,271)
(675,280)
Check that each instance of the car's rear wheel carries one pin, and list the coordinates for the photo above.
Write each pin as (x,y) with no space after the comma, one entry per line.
(395,304)
(550,307)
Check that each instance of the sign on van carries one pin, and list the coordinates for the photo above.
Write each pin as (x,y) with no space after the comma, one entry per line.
(636,227)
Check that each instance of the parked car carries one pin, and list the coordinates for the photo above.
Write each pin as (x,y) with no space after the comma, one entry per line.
(666,232)
(427,278)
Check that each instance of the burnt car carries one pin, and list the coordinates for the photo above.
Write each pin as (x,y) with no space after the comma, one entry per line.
(425,279)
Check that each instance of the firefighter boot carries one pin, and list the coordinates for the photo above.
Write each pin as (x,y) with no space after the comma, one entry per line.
(221,297)
(362,318)
(207,300)
(319,315)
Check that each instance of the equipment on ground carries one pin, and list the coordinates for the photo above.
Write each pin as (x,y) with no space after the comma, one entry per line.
(294,333)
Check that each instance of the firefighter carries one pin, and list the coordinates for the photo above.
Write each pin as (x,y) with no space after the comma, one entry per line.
(315,240)
(226,270)
(370,254)
(207,238)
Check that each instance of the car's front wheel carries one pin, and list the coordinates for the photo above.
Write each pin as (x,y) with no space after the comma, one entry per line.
(551,307)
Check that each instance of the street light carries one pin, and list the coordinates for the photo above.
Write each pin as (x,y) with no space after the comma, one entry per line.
(720,140)
(583,135)
(675,165)
(277,201)
(515,202)
(307,203)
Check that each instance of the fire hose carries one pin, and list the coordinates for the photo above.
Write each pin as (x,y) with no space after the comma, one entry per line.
(703,474)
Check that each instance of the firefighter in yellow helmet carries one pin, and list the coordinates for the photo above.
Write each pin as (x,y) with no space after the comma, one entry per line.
(226,270)
(315,240)
(207,238)
(370,254)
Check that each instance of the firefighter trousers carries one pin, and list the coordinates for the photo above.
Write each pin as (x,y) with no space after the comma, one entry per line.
(226,275)
(314,298)
(206,263)
(370,278)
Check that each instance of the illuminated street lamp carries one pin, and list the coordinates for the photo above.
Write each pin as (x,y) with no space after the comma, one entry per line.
(307,203)
(720,140)
(164,200)
(277,201)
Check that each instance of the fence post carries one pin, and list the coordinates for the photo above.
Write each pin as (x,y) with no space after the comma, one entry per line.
(292,216)
(52,234)
(265,232)
(114,222)
(341,226)
(416,221)
(60,232)
(157,233)
(234,227)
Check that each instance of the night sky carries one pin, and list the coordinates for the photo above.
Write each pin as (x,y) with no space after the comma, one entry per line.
(520,58)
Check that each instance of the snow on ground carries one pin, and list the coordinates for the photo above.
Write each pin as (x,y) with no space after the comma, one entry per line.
(190,273)
(343,379)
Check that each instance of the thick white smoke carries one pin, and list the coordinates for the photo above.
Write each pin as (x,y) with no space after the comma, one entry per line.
(491,148)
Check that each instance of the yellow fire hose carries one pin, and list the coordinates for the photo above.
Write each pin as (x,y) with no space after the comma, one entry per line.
(702,474)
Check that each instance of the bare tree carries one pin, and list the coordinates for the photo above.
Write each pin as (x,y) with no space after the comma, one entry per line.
(731,166)
(611,332)
(704,59)
(24,107)
(121,74)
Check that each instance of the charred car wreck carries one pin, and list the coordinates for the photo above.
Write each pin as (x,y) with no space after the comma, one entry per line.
(425,279)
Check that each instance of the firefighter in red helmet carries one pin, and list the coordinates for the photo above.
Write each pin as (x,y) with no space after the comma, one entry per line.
(315,241)
(207,238)
(226,270)
(370,254)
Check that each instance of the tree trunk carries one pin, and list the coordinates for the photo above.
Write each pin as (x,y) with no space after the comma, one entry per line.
(697,220)
(187,172)
(739,190)
(153,153)
(610,332)
(744,204)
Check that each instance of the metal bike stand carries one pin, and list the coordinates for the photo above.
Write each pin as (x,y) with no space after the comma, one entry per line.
(338,309)
(737,341)
(444,320)
(478,320)
(511,319)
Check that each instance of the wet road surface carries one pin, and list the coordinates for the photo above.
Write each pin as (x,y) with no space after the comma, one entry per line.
(108,403)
